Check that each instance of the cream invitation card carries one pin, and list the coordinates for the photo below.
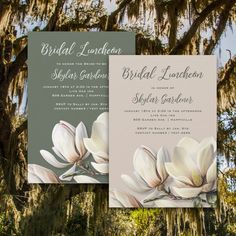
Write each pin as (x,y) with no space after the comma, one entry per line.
(162,132)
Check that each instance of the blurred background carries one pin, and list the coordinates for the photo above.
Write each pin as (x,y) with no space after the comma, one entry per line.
(162,27)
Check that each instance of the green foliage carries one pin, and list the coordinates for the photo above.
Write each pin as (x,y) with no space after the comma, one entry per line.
(227,187)
(118,222)
(148,222)
(6,225)
(226,136)
(231,229)
(76,225)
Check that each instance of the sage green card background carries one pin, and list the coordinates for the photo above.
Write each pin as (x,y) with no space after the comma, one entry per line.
(42,116)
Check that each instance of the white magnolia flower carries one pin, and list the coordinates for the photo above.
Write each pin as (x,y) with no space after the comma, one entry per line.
(68,145)
(193,167)
(98,143)
(39,174)
(122,199)
(149,168)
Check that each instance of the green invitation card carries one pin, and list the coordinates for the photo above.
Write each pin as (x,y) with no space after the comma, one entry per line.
(68,104)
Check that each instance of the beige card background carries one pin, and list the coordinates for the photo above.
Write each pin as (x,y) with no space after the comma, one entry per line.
(122,138)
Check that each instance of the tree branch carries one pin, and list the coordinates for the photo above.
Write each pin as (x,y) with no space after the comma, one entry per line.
(193,2)
(229,69)
(53,20)
(17,64)
(223,18)
(173,20)
(22,57)
(226,86)
(179,48)
(21,127)
(111,18)
(75,25)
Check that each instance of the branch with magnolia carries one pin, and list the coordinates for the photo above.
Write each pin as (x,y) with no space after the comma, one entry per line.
(186,179)
(72,146)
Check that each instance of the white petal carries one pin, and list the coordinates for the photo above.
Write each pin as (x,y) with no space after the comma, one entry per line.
(71,171)
(42,173)
(126,199)
(188,144)
(149,151)
(103,118)
(135,185)
(100,136)
(154,195)
(180,160)
(84,179)
(80,134)
(59,154)
(33,179)
(184,163)
(64,141)
(48,157)
(95,149)
(171,182)
(145,165)
(188,192)
(177,174)
(208,141)
(205,157)
(68,125)
(102,168)
(211,173)
(99,159)
(208,187)
(162,157)
(141,180)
